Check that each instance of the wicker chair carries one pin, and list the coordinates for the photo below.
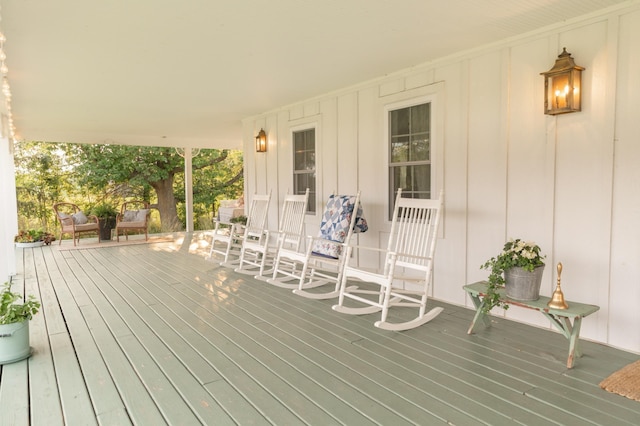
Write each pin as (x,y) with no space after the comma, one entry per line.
(74,222)
(133,216)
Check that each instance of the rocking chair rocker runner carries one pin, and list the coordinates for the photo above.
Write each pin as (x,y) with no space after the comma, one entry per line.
(255,252)
(323,259)
(223,240)
(411,247)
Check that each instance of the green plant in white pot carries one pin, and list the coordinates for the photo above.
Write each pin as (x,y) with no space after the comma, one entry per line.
(518,258)
(14,324)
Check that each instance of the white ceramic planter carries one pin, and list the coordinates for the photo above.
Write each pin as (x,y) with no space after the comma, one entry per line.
(30,245)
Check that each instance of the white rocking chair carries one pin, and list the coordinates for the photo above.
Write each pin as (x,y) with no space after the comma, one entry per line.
(411,247)
(255,253)
(323,259)
(224,239)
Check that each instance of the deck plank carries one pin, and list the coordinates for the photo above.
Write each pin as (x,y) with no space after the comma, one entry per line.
(45,406)
(102,389)
(169,376)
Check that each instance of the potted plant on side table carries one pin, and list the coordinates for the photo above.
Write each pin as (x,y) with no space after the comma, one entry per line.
(106,214)
(518,268)
(14,325)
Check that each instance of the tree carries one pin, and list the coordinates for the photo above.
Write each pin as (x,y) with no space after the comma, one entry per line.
(134,169)
(40,181)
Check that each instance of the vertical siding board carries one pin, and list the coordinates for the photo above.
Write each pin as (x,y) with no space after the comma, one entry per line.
(450,267)
(487,173)
(582,232)
(530,180)
(625,276)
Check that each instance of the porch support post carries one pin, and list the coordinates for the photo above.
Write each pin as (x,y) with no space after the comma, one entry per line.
(9,219)
(188,189)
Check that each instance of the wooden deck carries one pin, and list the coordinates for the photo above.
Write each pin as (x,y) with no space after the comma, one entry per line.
(155,334)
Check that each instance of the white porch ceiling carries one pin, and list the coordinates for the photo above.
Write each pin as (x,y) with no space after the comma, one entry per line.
(185,73)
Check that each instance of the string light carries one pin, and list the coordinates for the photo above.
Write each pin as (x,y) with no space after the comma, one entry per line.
(6,88)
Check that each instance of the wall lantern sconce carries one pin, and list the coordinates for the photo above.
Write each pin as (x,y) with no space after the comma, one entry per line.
(261,141)
(562,86)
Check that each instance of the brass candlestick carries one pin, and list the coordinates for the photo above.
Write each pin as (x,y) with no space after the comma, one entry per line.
(557,299)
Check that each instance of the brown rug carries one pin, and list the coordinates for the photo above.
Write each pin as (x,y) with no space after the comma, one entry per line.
(68,245)
(625,382)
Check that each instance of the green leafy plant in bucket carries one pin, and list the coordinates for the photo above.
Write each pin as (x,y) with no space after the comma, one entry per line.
(515,253)
(11,311)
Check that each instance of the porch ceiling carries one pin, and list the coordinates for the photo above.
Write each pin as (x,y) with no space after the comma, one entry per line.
(160,72)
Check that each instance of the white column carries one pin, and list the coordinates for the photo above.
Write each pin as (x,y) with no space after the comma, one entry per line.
(188,189)
(9,215)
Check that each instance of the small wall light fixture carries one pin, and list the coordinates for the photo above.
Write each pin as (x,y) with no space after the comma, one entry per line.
(261,141)
(562,86)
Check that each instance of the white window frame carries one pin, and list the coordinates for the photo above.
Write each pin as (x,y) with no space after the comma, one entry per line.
(433,143)
(313,192)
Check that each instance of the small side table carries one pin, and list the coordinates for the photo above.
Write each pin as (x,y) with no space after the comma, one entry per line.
(568,321)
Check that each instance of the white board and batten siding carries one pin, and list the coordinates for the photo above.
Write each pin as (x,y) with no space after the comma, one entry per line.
(567,182)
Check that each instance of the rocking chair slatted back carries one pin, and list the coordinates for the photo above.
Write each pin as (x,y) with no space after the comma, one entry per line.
(416,221)
(292,219)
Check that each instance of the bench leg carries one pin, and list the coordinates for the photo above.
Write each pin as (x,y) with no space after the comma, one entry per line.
(574,349)
(571,332)
(479,304)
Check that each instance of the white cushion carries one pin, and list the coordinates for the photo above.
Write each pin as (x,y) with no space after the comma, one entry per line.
(129,216)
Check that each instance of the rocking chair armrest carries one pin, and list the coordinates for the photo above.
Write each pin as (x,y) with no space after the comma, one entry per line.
(412,256)
(93,218)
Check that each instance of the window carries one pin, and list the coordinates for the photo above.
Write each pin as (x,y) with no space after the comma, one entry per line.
(410,152)
(304,165)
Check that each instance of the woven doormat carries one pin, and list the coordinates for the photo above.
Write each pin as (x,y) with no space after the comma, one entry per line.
(625,382)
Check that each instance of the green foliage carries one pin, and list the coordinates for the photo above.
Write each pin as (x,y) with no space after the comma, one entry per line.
(104,211)
(515,253)
(239,219)
(33,235)
(12,312)
(109,174)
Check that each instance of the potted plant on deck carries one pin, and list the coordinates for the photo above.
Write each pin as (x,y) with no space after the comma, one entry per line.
(33,238)
(519,269)
(106,214)
(14,325)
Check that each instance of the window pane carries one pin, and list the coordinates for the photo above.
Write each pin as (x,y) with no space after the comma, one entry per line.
(399,120)
(301,182)
(304,164)
(410,152)
(412,180)
(400,149)
(420,148)
(420,118)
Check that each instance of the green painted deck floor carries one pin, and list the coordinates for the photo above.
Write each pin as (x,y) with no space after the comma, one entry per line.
(155,334)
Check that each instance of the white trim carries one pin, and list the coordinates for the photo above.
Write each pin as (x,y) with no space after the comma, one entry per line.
(302,124)
(434,95)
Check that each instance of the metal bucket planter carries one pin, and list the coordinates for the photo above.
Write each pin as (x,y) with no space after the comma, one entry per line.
(521,284)
(14,342)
